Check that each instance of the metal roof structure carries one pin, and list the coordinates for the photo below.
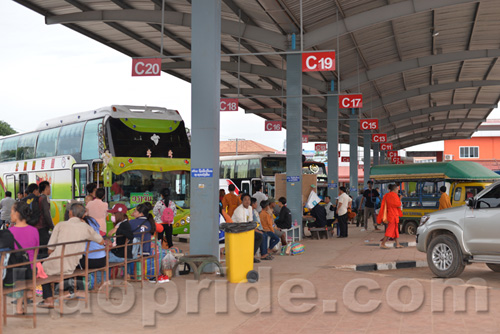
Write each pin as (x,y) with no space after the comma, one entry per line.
(427,69)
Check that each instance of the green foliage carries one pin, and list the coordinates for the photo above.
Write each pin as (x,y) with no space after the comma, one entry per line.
(6,129)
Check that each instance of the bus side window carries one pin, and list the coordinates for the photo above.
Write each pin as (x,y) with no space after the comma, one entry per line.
(79,181)
(23,182)
(458,194)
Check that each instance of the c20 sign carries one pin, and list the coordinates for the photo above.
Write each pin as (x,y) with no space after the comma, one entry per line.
(386,147)
(368,124)
(379,138)
(318,61)
(273,126)
(351,101)
(146,67)
(228,104)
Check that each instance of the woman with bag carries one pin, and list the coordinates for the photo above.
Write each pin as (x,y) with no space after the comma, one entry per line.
(166,218)
(390,211)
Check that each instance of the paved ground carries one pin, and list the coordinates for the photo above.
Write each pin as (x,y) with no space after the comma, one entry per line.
(325,299)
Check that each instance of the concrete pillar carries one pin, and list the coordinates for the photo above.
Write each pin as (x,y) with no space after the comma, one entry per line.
(332,135)
(367,143)
(294,135)
(376,152)
(353,153)
(382,157)
(205,106)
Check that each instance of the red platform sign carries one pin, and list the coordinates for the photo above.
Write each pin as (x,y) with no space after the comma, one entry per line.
(318,61)
(273,126)
(146,67)
(386,146)
(368,124)
(351,101)
(392,154)
(397,160)
(305,139)
(228,104)
(320,147)
(345,159)
(379,138)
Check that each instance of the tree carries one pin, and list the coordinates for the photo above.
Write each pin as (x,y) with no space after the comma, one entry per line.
(6,129)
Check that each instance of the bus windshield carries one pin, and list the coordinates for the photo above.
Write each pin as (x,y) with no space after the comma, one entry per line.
(138,186)
(271,166)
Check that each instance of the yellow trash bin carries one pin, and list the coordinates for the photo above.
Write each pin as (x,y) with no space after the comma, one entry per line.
(240,251)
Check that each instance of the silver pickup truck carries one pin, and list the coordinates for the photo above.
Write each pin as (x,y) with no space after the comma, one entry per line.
(458,236)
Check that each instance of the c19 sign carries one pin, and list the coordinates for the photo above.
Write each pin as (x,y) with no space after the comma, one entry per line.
(386,147)
(146,67)
(318,61)
(273,126)
(368,124)
(320,147)
(228,104)
(351,101)
(379,138)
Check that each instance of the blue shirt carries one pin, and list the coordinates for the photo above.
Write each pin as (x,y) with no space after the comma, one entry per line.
(94,245)
(140,225)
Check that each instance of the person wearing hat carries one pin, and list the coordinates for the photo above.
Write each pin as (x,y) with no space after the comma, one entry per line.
(369,199)
(123,232)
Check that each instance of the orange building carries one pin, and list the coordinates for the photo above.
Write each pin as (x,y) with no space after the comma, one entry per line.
(480,148)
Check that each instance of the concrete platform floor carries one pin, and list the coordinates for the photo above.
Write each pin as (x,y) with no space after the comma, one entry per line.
(296,294)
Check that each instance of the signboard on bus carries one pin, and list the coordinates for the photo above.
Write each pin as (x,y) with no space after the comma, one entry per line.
(351,101)
(318,61)
(228,104)
(368,124)
(386,146)
(273,125)
(146,67)
(320,147)
(379,138)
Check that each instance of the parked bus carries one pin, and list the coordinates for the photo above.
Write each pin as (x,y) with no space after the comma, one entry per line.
(247,172)
(420,185)
(133,152)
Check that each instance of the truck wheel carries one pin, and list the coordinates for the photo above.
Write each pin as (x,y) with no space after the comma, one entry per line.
(494,266)
(411,227)
(444,257)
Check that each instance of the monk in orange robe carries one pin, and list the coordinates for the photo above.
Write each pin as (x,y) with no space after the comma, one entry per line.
(230,201)
(444,201)
(390,211)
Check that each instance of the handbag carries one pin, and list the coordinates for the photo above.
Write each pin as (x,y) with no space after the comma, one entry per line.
(384,214)
(350,214)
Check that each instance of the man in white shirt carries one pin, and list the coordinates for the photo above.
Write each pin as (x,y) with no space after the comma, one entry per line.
(330,211)
(259,196)
(243,214)
(343,203)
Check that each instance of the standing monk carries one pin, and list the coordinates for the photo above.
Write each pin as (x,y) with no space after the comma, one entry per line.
(390,211)
(444,201)
(230,201)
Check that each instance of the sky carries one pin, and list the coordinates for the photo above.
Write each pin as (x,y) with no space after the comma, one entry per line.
(50,71)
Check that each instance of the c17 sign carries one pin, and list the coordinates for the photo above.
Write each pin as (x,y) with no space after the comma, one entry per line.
(386,146)
(351,101)
(379,138)
(368,124)
(318,61)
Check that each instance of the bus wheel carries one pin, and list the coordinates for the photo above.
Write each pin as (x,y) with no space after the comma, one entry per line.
(494,266)
(411,227)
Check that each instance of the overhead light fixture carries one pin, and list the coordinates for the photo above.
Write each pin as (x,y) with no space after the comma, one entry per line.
(435,34)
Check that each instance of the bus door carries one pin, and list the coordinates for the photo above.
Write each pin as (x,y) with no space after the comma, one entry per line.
(23,183)
(245,187)
(96,173)
(80,180)
(10,184)
(256,184)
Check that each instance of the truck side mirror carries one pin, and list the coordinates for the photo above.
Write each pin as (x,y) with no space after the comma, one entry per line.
(470,202)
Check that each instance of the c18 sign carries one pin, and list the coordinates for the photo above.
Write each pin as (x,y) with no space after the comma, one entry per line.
(351,101)
(318,61)
(228,104)
(379,138)
(368,124)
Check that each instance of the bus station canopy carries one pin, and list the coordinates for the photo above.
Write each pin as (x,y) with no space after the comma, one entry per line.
(450,170)
(427,69)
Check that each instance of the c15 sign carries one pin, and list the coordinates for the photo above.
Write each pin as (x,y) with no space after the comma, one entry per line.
(146,67)
(320,147)
(273,126)
(228,104)
(318,61)
(379,138)
(368,124)
(386,146)
(351,101)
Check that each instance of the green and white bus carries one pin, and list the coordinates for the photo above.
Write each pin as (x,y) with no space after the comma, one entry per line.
(133,152)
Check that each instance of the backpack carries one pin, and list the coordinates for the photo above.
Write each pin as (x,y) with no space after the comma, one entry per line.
(36,212)
(285,220)
(167,216)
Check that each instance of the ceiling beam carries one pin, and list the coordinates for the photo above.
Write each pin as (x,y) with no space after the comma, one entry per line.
(413,142)
(426,136)
(426,124)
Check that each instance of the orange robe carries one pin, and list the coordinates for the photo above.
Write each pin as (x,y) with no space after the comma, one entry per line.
(230,202)
(444,202)
(391,206)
